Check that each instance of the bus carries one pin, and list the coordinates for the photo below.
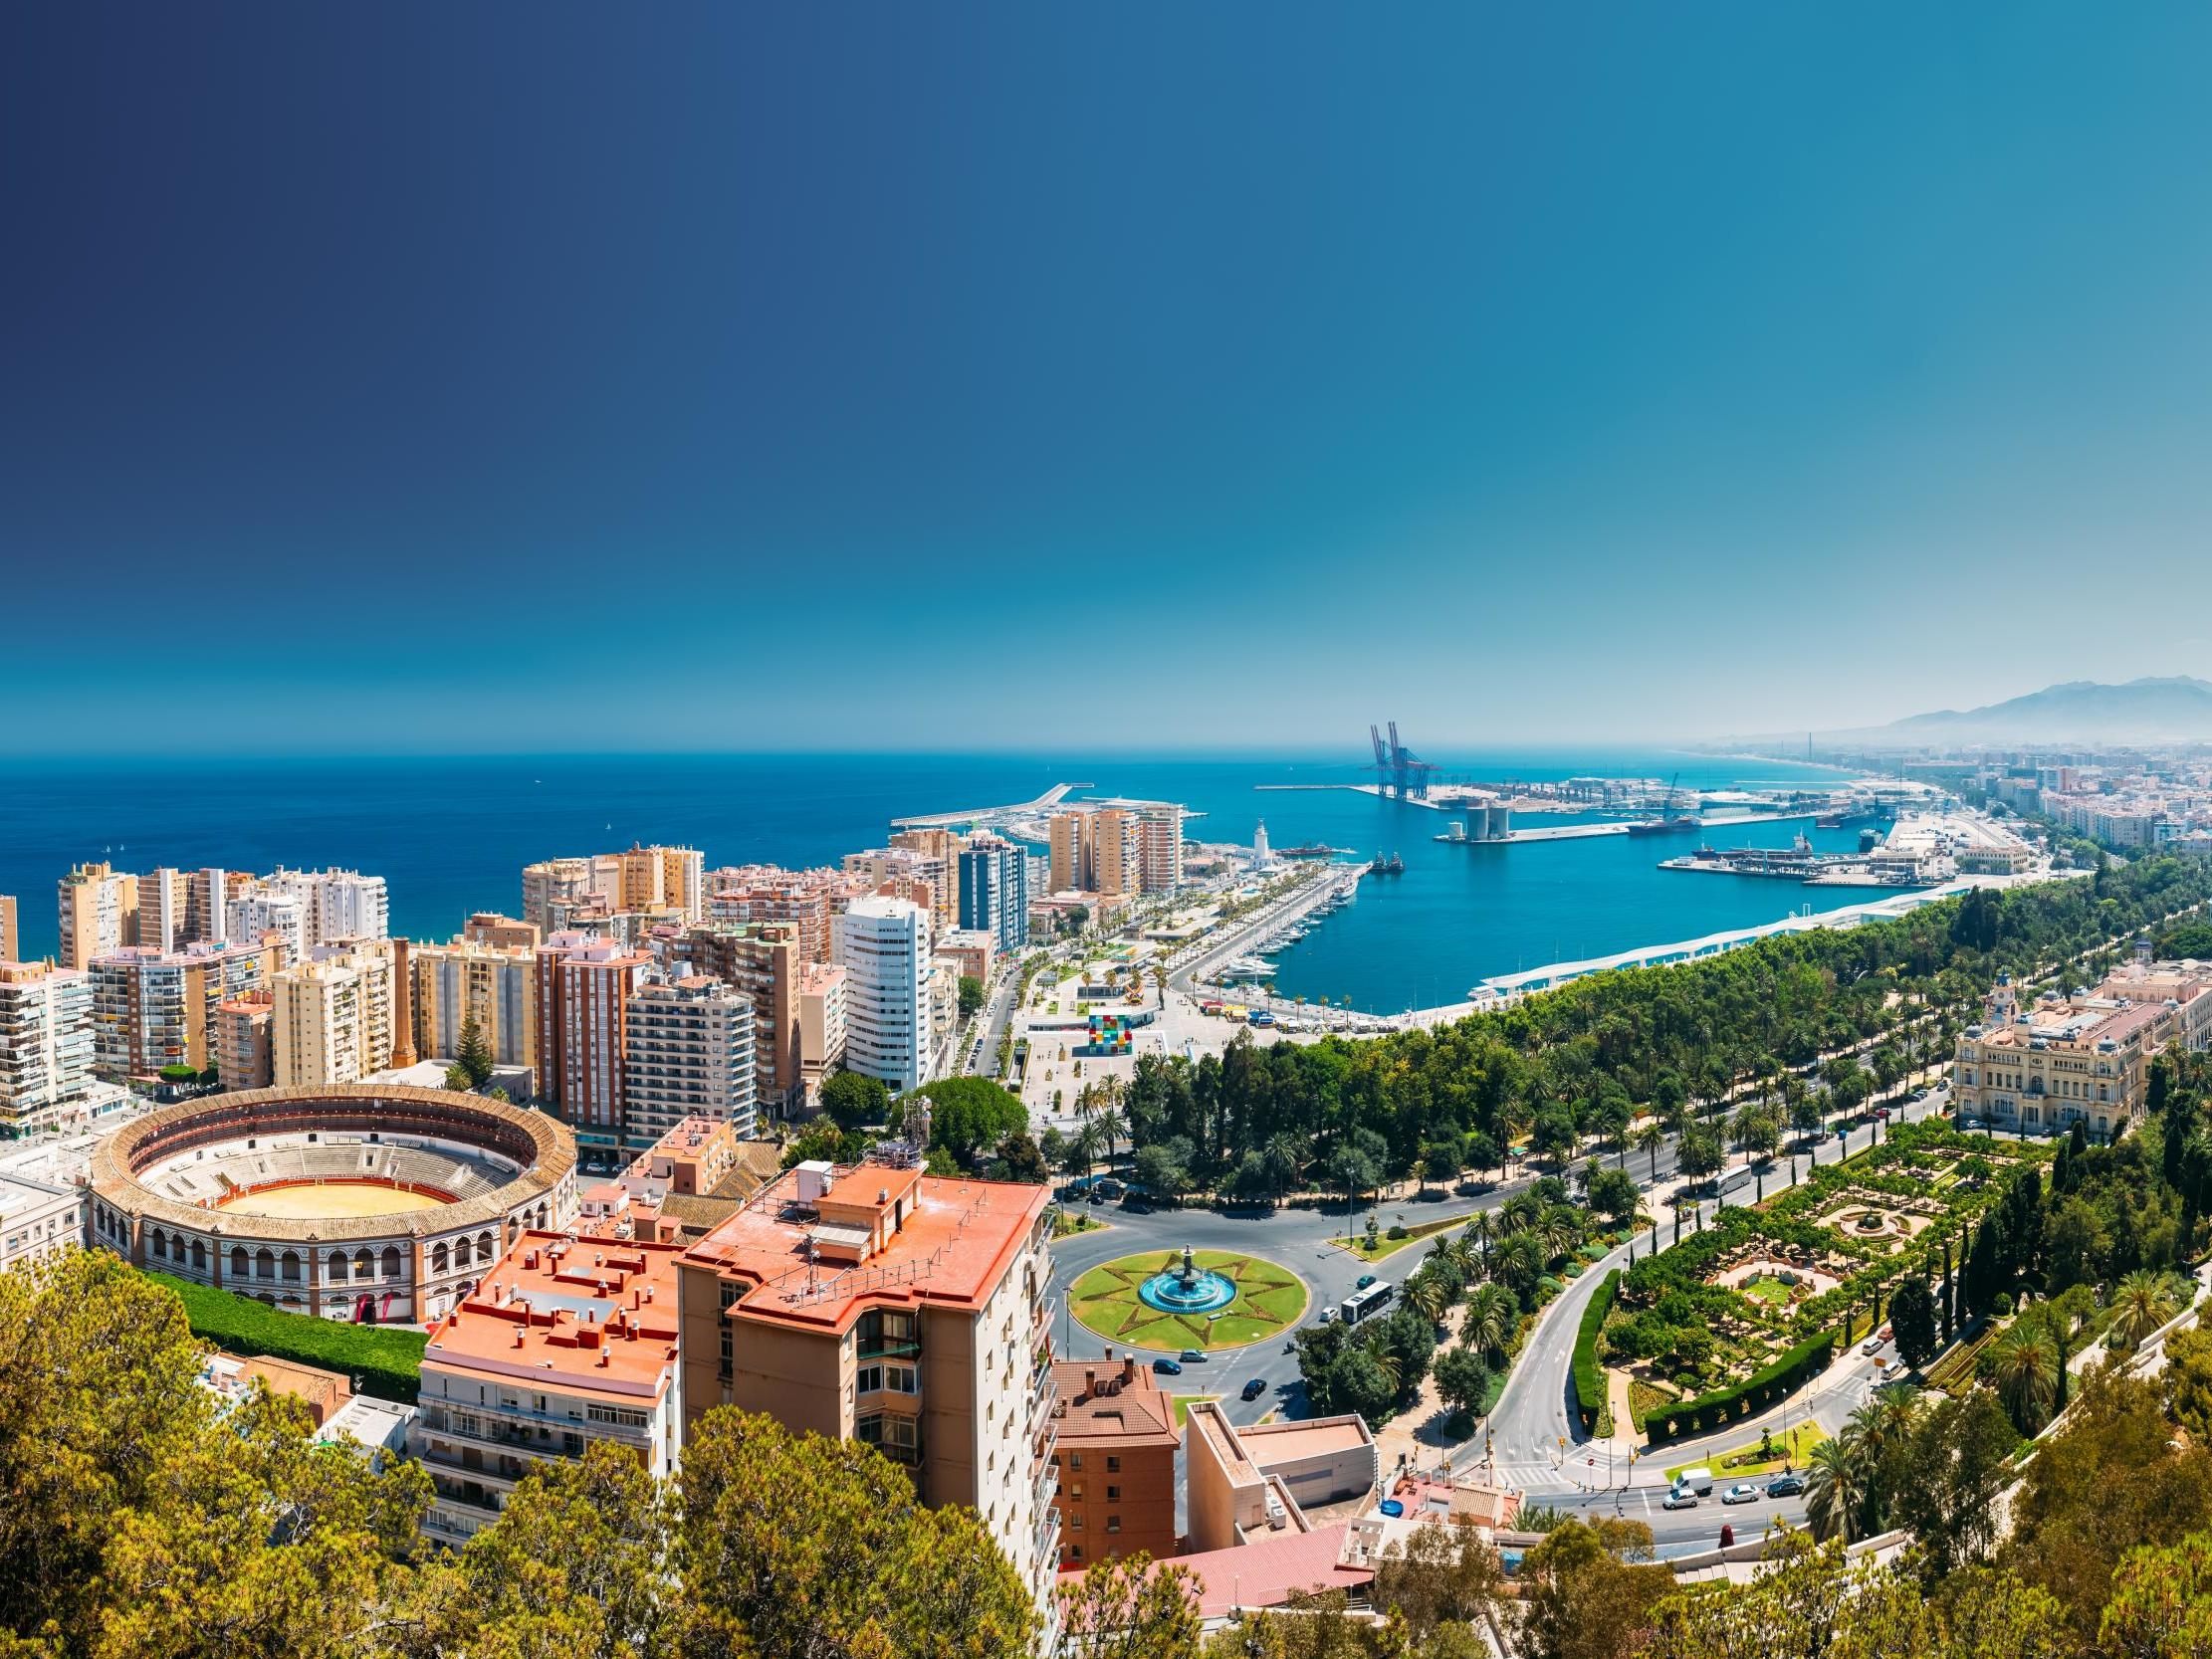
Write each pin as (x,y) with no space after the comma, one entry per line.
(1360,1304)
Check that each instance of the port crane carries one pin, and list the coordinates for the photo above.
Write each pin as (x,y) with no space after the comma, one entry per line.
(1396,768)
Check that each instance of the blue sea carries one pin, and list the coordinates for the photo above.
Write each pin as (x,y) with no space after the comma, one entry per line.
(451,835)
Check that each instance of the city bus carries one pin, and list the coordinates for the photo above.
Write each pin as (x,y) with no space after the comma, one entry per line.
(1360,1304)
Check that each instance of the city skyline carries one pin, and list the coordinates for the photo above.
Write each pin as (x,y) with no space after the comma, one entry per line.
(1531,380)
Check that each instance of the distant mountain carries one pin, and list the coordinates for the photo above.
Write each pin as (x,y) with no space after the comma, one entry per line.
(2177,708)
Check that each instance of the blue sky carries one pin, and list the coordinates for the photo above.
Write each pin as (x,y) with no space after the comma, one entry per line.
(746,377)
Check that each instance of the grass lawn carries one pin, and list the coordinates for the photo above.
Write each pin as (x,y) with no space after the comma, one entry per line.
(1769,1290)
(1386,1246)
(1746,1461)
(1268,1297)
(1645,1398)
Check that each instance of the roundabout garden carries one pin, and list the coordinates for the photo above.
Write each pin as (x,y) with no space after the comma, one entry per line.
(1172,1300)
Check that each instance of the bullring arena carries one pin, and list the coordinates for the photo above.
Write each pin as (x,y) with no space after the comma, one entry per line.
(347,1202)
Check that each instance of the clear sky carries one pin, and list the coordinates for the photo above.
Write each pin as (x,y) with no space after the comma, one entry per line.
(741,376)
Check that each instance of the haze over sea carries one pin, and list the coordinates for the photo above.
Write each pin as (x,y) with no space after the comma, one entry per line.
(451,835)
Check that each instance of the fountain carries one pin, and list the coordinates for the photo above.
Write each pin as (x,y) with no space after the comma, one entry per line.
(1188,1288)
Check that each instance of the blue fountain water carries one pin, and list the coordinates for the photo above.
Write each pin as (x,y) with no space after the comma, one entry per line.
(1188,1288)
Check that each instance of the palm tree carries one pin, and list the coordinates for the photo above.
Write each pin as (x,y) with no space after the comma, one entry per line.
(1112,1127)
(2025,1364)
(1461,1253)
(1836,1474)
(1425,1294)
(2142,1301)
(1558,1230)
(1489,1322)
(1480,1231)
(1649,1138)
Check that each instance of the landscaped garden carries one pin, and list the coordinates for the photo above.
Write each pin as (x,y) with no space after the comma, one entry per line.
(1732,1318)
(1234,1300)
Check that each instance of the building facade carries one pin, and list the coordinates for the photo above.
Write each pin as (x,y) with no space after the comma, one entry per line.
(493,985)
(45,1044)
(2039,1069)
(994,892)
(1115,1461)
(330,1019)
(883,947)
(688,1054)
(821,1025)
(583,990)
(97,914)
(156,1009)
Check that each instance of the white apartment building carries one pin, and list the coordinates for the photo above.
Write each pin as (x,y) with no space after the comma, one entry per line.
(45,1044)
(332,1019)
(38,1218)
(337,904)
(260,911)
(883,947)
(687,1052)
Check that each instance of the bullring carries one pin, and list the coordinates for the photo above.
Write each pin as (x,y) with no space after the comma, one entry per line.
(352,1203)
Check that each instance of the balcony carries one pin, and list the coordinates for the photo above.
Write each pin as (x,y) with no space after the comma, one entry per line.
(1044,1544)
(1044,1392)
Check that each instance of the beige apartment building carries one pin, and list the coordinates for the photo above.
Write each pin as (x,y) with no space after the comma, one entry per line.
(502,933)
(244,1052)
(11,949)
(494,985)
(330,1019)
(663,880)
(98,914)
(921,1328)
(821,1025)
(762,962)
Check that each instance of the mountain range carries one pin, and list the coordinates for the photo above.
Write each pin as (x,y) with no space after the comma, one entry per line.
(2174,708)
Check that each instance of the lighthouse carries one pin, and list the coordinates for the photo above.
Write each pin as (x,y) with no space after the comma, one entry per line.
(1262,857)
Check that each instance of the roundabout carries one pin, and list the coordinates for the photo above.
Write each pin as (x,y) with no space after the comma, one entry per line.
(1172,1300)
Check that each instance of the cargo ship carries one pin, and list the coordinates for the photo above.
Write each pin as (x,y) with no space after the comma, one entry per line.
(1672,820)
(1392,866)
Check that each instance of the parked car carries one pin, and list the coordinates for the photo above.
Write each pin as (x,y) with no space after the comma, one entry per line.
(1255,1388)
(1785,1485)
(1192,1357)
(1882,1114)
(1743,1492)
(1679,1497)
(1872,1343)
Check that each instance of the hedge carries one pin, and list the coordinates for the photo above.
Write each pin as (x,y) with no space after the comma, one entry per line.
(383,1360)
(1757,1391)
(1588,1375)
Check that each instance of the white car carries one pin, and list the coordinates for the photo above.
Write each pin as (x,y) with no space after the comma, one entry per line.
(1679,1497)
(1740,1493)
(1873,1344)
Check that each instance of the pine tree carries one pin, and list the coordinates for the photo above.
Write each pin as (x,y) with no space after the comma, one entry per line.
(475,1054)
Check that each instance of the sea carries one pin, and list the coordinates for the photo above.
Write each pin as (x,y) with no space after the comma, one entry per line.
(451,835)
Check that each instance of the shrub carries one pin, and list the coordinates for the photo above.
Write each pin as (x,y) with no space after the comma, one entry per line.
(1590,1388)
(1757,1391)
(383,1360)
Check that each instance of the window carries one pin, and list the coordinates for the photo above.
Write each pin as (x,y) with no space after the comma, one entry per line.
(1113,1523)
(1113,1494)
(1075,1460)
(895,1380)
(1075,1521)
(1113,1465)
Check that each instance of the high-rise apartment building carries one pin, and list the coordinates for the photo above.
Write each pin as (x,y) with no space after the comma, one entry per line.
(807,898)
(762,962)
(493,985)
(336,905)
(162,899)
(994,890)
(940,851)
(565,1342)
(883,947)
(922,1329)
(206,900)
(555,882)
(332,1017)
(503,932)
(1160,846)
(254,913)
(658,878)
(1096,850)
(98,914)
(821,1025)
(245,1054)
(45,1043)
(156,1009)
(583,990)
(10,941)
(687,1051)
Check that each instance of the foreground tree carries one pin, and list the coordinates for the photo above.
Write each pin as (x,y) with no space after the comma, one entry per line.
(1587,1590)
(1127,1608)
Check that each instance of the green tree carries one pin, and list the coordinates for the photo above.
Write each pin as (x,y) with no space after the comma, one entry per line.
(2161,1602)
(1588,1589)
(1913,1318)
(2023,1368)
(970,995)
(1126,1609)
(855,1100)
(474,1055)
(1462,1379)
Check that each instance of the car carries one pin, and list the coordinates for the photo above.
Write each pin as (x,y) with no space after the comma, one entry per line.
(1192,1357)
(1364,1280)
(1255,1388)
(1882,1114)
(1743,1492)
(1887,1332)
(1166,1367)
(1679,1497)
(1871,1345)
(1785,1485)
